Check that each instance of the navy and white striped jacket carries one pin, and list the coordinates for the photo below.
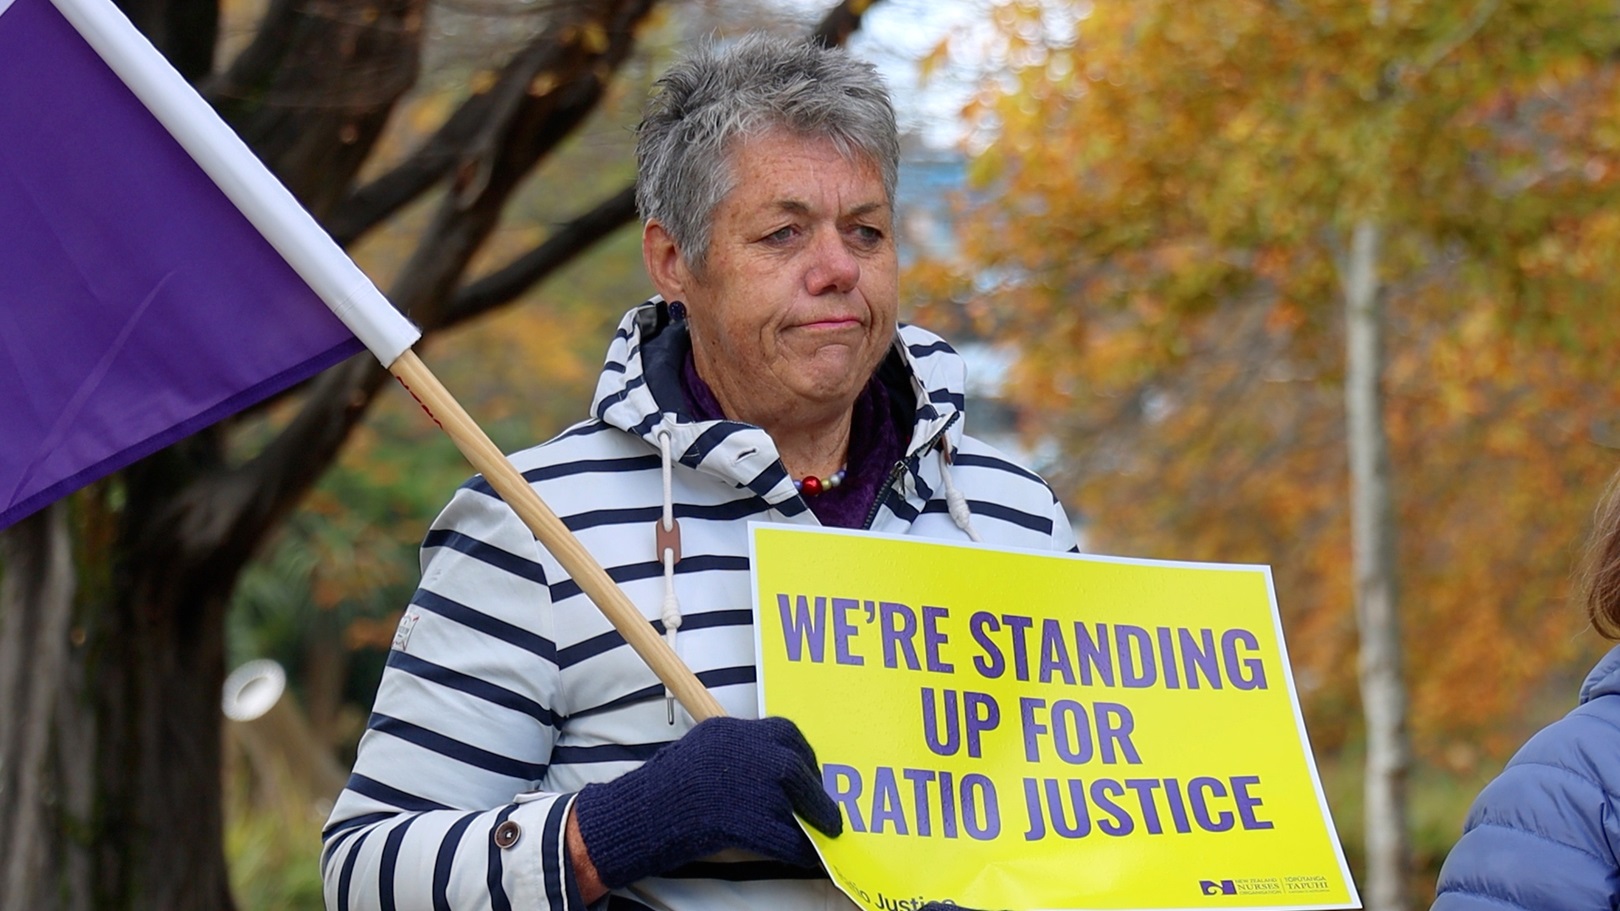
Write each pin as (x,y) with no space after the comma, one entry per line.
(506,691)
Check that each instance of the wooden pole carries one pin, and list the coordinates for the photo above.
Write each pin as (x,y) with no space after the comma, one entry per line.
(550,531)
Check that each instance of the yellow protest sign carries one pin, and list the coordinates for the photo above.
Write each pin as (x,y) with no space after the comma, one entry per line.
(1008,729)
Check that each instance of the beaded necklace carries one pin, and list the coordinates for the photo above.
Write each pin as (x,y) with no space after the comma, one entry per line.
(812,486)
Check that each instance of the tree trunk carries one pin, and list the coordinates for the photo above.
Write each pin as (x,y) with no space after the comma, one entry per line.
(114,646)
(36,673)
(1383,692)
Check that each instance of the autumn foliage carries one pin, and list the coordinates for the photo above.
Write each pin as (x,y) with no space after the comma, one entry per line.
(1162,193)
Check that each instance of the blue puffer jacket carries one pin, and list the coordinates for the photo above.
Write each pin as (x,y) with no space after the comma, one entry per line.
(1543,835)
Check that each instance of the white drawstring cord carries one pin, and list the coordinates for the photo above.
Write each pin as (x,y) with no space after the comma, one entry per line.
(667,542)
(955,502)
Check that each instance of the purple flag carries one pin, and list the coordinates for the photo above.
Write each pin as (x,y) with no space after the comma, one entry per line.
(138,304)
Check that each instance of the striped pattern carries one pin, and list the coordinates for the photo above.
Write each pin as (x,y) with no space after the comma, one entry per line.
(507,691)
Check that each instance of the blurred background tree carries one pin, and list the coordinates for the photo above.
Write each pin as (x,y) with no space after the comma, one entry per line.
(464,152)
(1171,204)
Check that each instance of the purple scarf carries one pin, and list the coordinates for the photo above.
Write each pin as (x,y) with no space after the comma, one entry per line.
(874,447)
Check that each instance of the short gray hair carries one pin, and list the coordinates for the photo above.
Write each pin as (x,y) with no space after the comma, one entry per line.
(719,95)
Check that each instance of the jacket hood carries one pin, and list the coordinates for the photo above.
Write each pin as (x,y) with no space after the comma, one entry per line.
(1604,678)
(638,392)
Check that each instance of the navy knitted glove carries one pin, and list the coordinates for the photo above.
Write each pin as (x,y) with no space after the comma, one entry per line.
(729,783)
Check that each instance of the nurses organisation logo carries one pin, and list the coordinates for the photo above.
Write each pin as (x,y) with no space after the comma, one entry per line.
(1264,885)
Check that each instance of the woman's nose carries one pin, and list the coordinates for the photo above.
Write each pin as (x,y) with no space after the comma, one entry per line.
(834,268)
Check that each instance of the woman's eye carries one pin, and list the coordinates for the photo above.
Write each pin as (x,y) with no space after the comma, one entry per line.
(782,234)
(868,235)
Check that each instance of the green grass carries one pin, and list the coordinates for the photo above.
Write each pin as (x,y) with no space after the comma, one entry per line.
(1437,801)
(274,855)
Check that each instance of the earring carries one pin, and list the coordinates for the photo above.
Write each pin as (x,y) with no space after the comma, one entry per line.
(677,310)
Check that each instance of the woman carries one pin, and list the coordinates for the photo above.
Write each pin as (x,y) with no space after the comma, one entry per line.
(520,755)
(1544,834)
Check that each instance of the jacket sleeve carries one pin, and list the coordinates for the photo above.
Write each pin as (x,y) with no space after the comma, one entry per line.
(443,808)
(1542,834)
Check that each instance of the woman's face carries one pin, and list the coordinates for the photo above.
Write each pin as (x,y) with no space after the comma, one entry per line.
(795,307)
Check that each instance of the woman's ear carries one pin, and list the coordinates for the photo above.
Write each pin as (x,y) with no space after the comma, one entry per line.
(663,260)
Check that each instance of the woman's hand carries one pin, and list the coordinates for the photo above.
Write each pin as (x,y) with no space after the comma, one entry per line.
(729,783)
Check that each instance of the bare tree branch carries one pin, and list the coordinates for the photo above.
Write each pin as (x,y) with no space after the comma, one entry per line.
(571,240)
(259,492)
(243,503)
(373,203)
(578,235)
(546,70)
(184,30)
(314,89)
(840,22)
